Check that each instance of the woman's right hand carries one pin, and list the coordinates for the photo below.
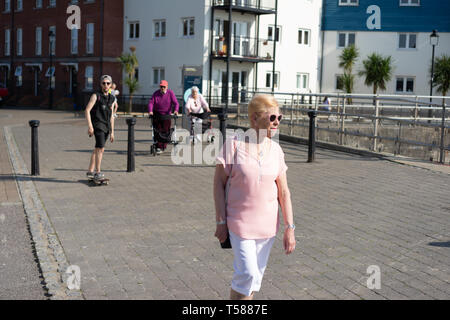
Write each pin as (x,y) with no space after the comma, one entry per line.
(221,232)
(90,132)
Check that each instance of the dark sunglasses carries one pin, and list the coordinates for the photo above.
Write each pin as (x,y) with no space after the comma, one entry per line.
(273,117)
(106,83)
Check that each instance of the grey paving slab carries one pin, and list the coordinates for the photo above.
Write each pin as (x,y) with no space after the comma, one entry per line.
(150,234)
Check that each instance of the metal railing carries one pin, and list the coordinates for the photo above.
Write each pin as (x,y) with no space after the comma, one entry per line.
(253,4)
(243,47)
(398,125)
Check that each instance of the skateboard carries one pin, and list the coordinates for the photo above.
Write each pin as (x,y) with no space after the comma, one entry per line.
(100,182)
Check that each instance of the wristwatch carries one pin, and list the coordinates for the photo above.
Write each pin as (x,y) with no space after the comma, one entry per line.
(290,226)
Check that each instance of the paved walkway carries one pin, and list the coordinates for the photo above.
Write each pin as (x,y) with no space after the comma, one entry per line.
(149,234)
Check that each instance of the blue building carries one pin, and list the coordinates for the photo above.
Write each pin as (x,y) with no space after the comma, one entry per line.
(397,28)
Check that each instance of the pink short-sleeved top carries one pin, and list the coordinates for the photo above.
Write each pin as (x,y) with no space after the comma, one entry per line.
(252,193)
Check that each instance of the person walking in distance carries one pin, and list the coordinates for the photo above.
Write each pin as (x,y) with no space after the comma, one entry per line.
(99,116)
(196,104)
(161,103)
(249,183)
(115,93)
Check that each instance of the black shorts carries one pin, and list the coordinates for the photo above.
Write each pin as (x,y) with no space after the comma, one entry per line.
(100,138)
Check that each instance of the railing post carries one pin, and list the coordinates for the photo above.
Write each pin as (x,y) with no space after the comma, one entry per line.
(130,158)
(312,136)
(238,112)
(291,130)
(375,128)
(341,138)
(442,152)
(34,124)
(416,111)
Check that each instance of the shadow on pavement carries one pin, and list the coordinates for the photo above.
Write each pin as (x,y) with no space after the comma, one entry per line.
(33,178)
(440,244)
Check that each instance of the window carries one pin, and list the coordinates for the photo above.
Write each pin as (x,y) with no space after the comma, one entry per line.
(160,29)
(52,44)
(90,38)
(38,4)
(19,6)
(188,25)
(304,36)
(348,2)
(302,81)
(407,41)
(133,30)
(19,41)
(38,41)
(18,75)
(270,33)
(52,3)
(404,3)
(89,77)
(7,42)
(7,5)
(136,74)
(339,82)
(269,80)
(158,75)
(404,84)
(346,39)
(74,41)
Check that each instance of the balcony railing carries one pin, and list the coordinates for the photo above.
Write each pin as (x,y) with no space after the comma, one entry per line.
(264,5)
(244,48)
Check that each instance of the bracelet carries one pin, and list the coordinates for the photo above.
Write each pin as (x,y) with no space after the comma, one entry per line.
(221,222)
(290,226)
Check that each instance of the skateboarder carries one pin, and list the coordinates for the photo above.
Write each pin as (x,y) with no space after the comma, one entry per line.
(99,116)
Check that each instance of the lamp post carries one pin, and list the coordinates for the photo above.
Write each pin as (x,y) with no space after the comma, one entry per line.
(51,39)
(434,41)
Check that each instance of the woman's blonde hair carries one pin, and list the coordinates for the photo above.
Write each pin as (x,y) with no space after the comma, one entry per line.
(261,103)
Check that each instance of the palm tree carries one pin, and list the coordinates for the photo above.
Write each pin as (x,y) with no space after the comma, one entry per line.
(347,60)
(441,78)
(129,62)
(377,71)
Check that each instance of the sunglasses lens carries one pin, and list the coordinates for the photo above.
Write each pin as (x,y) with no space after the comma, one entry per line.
(280,117)
(272,118)
(106,83)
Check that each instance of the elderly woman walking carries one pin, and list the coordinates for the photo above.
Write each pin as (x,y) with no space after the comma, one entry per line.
(249,184)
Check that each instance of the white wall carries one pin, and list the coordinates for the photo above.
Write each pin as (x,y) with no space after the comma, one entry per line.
(291,57)
(406,62)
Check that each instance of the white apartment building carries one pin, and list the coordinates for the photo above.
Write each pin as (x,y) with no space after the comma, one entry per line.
(175,37)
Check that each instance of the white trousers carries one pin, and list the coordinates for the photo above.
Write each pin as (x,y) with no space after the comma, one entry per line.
(197,125)
(250,261)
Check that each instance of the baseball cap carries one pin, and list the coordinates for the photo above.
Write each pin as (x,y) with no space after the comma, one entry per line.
(164,83)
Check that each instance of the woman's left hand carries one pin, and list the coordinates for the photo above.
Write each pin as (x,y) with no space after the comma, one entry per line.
(289,241)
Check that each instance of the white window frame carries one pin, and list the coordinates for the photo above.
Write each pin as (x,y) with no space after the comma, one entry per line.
(90,32)
(408,37)
(89,78)
(7,42)
(347,36)
(158,74)
(19,41)
(74,41)
(274,34)
(408,3)
(348,3)
(159,23)
(19,6)
(132,26)
(277,79)
(38,48)
(52,3)
(7,6)
(300,81)
(190,26)
(38,4)
(18,75)
(303,31)
(405,81)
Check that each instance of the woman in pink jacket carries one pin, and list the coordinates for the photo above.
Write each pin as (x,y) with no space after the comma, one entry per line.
(249,184)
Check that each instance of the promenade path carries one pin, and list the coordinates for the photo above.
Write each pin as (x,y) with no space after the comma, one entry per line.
(150,234)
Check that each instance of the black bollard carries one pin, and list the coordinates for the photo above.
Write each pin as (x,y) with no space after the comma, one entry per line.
(34,124)
(223,125)
(312,136)
(130,161)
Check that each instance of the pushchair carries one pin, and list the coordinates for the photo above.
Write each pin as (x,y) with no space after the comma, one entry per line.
(169,137)
(206,125)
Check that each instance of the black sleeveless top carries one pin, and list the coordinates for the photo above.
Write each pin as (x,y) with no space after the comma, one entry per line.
(101,112)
